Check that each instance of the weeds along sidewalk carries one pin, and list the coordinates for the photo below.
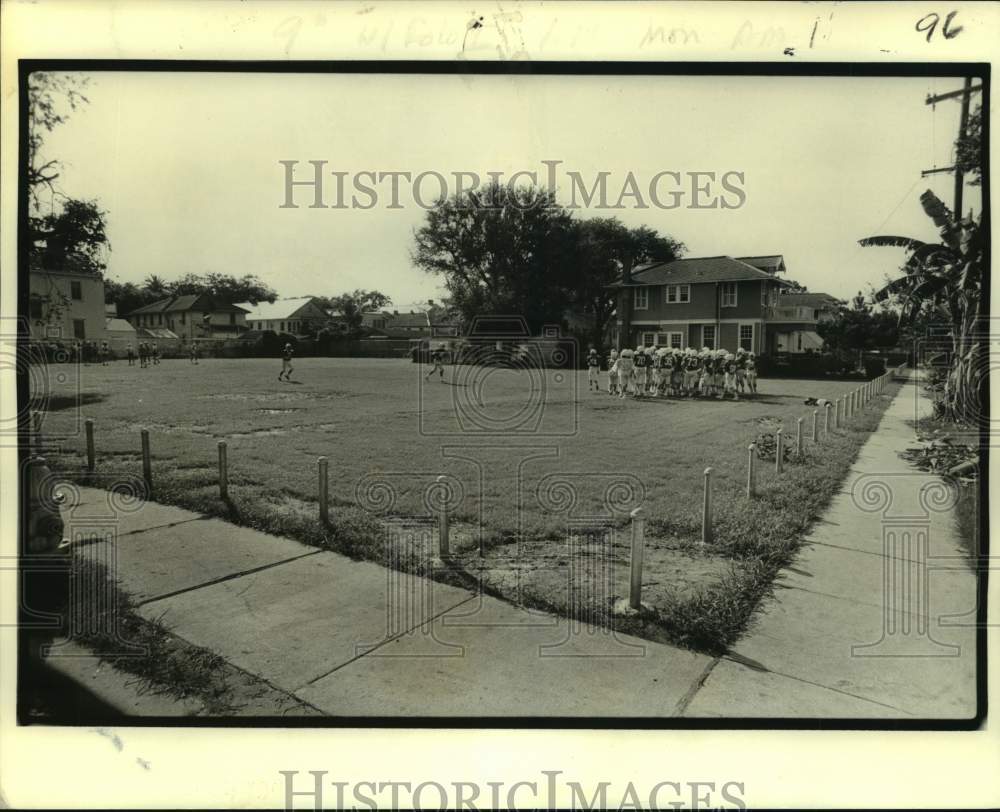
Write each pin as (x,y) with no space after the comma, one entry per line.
(699,596)
(875,616)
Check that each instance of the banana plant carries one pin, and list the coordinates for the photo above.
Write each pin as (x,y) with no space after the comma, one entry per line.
(946,278)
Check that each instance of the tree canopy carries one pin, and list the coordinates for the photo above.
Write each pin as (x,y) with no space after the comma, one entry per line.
(516,251)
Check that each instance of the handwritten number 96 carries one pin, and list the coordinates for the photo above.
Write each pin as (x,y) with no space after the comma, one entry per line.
(929,23)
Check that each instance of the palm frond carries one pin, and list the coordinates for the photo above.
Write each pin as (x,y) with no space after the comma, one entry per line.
(884,241)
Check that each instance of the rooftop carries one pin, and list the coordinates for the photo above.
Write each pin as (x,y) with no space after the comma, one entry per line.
(276,310)
(190,301)
(696,269)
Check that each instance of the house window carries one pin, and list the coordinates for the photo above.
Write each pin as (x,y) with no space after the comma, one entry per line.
(79,328)
(282,327)
(35,308)
(763,294)
(800,342)
(729,294)
(159,318)
(746,337)
(182,318)
(232,318)
(708,336)
(76,291)
(676,341)
(641,298)
(678,294)
(648,339)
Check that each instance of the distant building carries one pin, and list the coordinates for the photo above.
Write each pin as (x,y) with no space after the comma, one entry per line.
(794,318)
(120,334)
(66,306)
(415,324)
(191,317)
(296,315)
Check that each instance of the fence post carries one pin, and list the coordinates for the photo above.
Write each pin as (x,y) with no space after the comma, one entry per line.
(443,546)
(779,462)
(826,419)
(798,437)
(635,563)
(706,511)
(91,456)
(815,434)
(223,471)
(751,471)
(147,465)
(324,490)
(836,416)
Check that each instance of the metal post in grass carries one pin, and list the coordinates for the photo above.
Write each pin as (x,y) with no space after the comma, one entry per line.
(838,413)
(815,434)
(779,462)
(88,426)
(147,464)
(324,490)
(798,437)
(223,471)
(751,471)
(443,548)
(826,420)
(706,512)
(635,562)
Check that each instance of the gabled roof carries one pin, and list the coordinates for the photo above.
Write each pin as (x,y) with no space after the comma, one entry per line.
(118,326)
(190,301)
(810,299)
(402,320)
(696,269)
(772,263)
(280,309)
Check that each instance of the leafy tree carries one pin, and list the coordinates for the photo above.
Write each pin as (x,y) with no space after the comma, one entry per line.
(501,251)
(857,329)
(223,287)
(72,239)
(71,234)
(604,248)
(353,306)
(969,148)
(945,278)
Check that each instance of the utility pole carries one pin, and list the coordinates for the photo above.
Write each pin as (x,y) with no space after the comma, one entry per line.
(965,93)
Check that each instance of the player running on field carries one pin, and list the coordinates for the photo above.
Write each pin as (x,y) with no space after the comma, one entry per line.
(286,363)
(437,359)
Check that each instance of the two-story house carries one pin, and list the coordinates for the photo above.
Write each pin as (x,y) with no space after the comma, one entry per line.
(699,302)
(66,306)
(717,302)
(192,316)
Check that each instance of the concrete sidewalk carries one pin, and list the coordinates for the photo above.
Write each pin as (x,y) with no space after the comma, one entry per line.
(351,638)
(875,617)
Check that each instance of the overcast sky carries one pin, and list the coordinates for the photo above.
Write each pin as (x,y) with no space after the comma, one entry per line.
(187,165)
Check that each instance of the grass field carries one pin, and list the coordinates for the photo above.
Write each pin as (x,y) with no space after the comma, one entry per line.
(535,498)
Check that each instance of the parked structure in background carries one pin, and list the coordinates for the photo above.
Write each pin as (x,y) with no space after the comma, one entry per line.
(296,315)
(66,306)
(717,302)
(792,321)
(191,317)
